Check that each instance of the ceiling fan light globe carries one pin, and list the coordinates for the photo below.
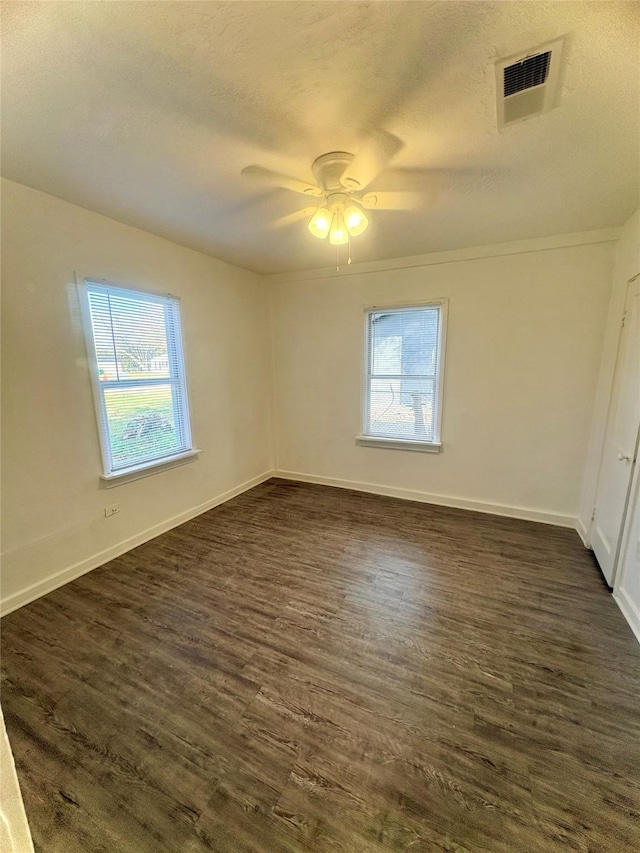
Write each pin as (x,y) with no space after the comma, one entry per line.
(338,233)
(320,223)
(339,236)
(356,220)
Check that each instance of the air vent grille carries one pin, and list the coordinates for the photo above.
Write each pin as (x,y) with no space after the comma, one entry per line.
(528,84)
(531,72)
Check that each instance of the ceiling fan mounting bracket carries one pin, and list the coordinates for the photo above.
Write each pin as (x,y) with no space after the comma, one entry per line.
(328,169)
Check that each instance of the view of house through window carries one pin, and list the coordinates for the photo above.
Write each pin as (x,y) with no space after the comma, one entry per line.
(140,384)
(403,373)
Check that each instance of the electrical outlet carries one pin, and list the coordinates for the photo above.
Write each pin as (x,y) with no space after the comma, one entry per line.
(111,510)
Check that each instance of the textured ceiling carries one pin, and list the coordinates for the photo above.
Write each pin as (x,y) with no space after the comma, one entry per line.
(148,111)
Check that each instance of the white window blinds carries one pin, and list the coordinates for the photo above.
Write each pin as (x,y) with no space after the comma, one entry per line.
(403,377)
(140,385)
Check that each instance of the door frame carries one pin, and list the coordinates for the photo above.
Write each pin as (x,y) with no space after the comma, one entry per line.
(634,460)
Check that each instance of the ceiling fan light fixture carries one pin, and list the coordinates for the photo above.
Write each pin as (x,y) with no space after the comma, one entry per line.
(320,222)
(355,220)
(342,179)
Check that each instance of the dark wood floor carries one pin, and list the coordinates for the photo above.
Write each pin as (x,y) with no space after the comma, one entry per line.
(308,669)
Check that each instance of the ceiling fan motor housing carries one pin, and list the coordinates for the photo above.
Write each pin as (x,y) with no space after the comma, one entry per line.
(329,168)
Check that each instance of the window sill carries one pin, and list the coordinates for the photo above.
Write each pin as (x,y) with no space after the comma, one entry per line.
(399,444)
(146,469)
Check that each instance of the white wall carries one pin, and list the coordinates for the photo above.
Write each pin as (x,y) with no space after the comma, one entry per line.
(53,523)
(626,265)
(523,351)
(15,836)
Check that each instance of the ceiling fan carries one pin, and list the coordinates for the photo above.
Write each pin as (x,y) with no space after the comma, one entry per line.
(340,191)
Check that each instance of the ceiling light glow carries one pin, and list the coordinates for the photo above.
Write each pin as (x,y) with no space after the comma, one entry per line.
(338,233)
(356,220)
(338,222)
(320,222)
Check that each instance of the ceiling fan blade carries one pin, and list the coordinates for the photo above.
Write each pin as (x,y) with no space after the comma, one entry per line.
(275,179)
(290,218)
(391,201)
(370,160)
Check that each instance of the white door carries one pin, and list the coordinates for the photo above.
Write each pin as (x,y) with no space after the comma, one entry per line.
(627,591)
(621,440)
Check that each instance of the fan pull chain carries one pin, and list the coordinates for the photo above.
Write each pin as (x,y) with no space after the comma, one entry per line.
(337,258)
(349,247)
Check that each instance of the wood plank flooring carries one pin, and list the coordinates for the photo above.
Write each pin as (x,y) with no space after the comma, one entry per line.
(310,669)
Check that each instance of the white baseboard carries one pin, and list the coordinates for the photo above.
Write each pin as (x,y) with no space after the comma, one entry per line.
(629,609)
(30,593)
(583,532)
(439,500)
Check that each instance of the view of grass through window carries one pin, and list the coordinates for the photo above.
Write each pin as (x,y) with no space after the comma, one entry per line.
(141,423)
(137,343)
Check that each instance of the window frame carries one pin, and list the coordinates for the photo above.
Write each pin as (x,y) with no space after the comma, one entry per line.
(365,438)
(115,476)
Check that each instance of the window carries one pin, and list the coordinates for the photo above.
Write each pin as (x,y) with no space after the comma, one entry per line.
(403,382)
(135,343)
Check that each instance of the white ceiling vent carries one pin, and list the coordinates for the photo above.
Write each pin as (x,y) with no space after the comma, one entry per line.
(527,85)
